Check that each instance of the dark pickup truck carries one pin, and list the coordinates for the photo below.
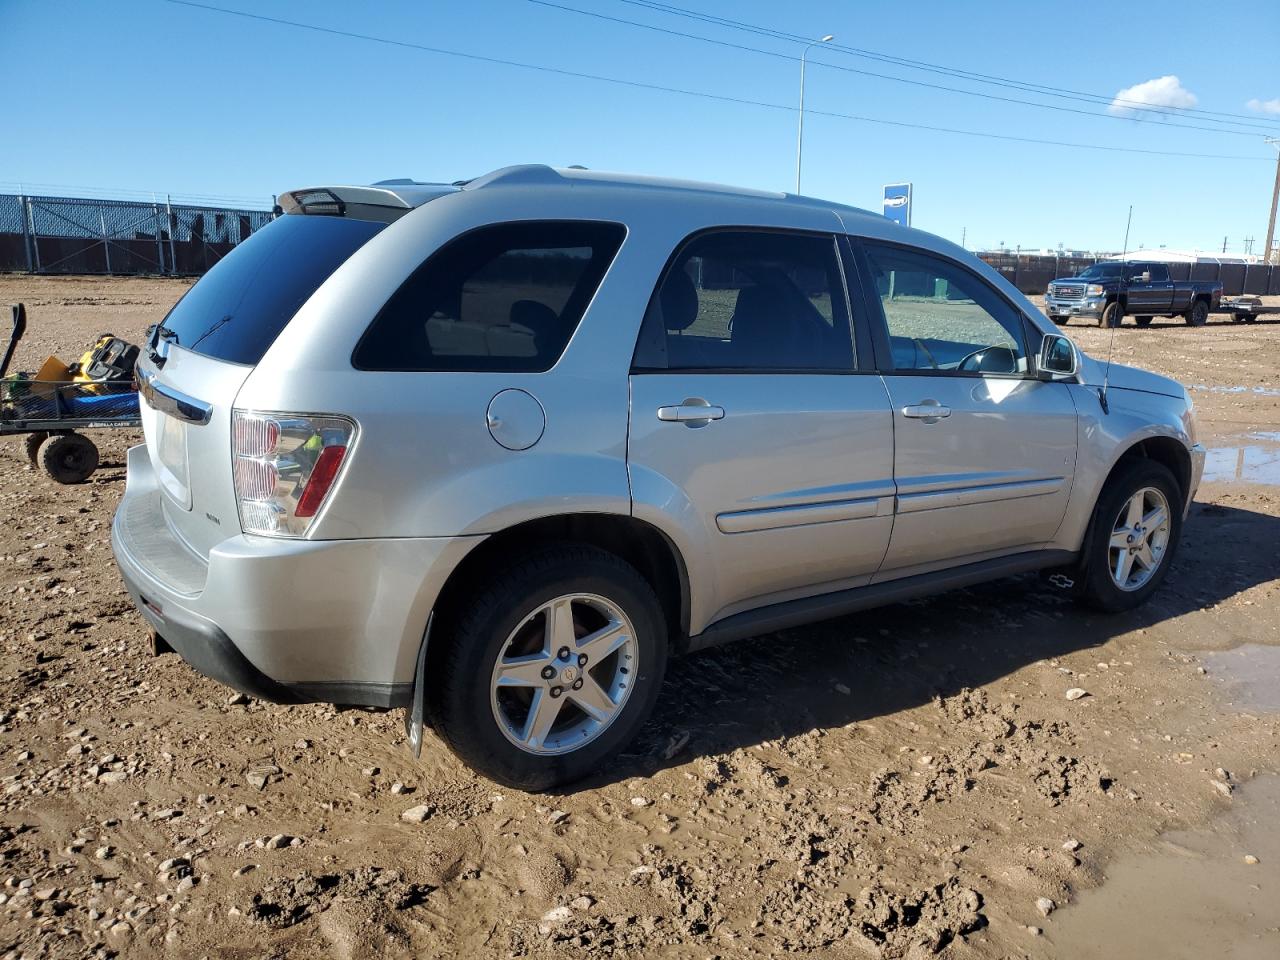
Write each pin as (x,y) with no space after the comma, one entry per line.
(1107,291)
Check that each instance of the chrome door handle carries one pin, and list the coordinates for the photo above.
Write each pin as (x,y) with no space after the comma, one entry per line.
(930,411)
(695,412)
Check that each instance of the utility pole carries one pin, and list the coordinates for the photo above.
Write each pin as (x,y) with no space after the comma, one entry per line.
(1275,197)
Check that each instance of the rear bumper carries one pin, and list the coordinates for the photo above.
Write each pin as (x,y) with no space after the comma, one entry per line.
(337,621)
(202,644)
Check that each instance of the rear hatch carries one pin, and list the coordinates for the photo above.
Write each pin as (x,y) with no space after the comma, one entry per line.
(201,354)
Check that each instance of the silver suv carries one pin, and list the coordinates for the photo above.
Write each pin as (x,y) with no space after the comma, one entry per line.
(493,451)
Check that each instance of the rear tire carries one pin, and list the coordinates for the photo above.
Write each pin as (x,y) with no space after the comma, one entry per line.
(491,726)
(1198,314)
(1112,535)
(1142,321)
(33,441)
(69,458)
(1113,315)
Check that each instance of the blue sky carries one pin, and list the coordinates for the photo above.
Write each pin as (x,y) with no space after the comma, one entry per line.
(147,95)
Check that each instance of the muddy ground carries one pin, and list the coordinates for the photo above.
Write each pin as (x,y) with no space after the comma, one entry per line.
(901,783)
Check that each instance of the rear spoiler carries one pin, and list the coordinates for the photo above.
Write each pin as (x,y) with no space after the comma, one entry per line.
(344,201)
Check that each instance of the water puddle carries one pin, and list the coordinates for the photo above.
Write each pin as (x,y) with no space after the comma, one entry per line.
(1252,675)
(1195,897)
(1257,391)
(1254,459)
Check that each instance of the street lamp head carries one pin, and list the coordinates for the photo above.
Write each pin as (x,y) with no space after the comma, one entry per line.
(828,38)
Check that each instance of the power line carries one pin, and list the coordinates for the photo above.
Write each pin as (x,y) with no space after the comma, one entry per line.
(884,76)
(722,98)
(1059,92)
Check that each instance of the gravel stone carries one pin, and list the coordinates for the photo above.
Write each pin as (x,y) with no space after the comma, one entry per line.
(419,813)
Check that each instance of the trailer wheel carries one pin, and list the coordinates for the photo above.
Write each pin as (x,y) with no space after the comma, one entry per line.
(69,458)
(1142,321)
(33,442)
(1198,314)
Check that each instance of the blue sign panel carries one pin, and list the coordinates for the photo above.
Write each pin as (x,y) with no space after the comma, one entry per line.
(897,202)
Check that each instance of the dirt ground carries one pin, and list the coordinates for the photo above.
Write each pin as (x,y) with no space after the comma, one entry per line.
(901,783)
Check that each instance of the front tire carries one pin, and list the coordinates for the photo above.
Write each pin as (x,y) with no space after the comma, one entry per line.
(1136,526)
(551,669)
(1112,316)
(69,457)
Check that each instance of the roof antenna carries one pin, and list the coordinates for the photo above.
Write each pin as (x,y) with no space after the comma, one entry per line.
(1106,376)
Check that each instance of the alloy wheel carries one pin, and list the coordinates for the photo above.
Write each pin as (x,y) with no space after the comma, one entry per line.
(1139,539)
(564,674)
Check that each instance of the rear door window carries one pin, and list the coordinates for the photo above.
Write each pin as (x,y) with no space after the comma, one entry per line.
(239,307)
(501,298)
(749,300)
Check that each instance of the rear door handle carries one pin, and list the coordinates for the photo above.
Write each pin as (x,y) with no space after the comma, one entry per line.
(695,412)
(930,411)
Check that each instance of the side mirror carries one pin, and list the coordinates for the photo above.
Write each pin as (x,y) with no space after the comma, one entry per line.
(1057,358)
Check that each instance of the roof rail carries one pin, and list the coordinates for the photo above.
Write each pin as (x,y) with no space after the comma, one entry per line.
(519,174)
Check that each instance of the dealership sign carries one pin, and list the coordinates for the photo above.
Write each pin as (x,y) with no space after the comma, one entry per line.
(897,202)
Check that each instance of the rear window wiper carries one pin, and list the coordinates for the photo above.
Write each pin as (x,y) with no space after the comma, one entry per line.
(217,323)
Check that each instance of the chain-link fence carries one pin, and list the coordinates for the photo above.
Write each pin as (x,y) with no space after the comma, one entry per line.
(70,235)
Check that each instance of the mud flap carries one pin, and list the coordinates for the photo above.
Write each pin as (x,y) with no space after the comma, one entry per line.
(413,714)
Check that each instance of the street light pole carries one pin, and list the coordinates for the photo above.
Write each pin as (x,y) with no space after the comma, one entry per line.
(800,129)
(1275,198)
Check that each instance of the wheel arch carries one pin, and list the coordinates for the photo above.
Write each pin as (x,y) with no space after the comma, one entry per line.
(1167,451)
(641,544)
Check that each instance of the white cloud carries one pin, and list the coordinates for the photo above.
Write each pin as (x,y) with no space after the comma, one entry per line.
(1162,93)
(1265,106)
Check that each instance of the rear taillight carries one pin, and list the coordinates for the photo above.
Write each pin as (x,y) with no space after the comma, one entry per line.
(284,467)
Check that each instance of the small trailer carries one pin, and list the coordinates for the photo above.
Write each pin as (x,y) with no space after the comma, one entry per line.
(49,413)
(1246,309)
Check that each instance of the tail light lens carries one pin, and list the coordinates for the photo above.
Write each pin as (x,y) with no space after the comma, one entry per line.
(284,467)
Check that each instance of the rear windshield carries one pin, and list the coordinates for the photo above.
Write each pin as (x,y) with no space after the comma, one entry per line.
(239,307)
